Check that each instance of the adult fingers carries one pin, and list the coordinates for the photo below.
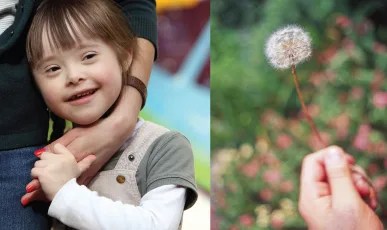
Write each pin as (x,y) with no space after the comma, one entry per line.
(36,195)
(373,198)
(339,177)
(350,159)
(312,173)
(33,185)
(361,186)
(87,175)
(85,163)
(311,183)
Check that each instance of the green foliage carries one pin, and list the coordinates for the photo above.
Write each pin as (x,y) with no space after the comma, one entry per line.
(257,130)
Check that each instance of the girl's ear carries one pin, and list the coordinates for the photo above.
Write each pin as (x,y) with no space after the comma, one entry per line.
(127,62)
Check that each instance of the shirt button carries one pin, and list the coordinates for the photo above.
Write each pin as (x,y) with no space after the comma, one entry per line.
(12,33)
(120,179)
(131,157)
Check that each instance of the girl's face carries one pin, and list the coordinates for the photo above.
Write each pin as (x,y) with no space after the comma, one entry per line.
(79,84)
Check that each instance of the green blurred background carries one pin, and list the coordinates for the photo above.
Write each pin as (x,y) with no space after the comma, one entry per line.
(258,135)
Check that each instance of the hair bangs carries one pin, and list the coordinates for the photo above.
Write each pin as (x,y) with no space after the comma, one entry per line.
(63,23)
(63,28)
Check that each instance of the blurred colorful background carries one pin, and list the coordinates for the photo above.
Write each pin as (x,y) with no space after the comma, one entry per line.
(258,134)
(178,91)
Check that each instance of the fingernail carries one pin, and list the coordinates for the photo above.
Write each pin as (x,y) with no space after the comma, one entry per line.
(374,204)
(24,201)
(39,152)
(334,156)
(30,188)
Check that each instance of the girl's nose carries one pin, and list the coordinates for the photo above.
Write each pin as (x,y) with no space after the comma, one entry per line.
(74,77)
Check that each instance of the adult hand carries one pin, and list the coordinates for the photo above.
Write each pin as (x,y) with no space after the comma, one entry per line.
(328,196)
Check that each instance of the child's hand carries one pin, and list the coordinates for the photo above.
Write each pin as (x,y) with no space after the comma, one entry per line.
(55,169)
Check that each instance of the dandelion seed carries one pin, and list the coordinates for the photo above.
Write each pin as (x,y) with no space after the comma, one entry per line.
(288,46)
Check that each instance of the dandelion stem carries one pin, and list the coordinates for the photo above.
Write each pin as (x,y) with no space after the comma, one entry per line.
(307,115)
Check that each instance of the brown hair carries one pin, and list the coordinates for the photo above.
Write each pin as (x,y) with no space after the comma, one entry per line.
(64,20)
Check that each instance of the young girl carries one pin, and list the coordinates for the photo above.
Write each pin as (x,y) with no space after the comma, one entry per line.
(80,52)
(24,116)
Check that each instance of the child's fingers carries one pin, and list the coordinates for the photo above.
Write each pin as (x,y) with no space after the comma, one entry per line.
(40,164)
(36,172)
(85,163)
(46,155)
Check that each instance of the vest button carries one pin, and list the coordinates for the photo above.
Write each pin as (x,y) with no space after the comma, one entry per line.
(131,157)
(120,179)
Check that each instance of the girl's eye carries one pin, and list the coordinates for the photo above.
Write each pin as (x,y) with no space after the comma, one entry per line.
(89,56)
(52,69)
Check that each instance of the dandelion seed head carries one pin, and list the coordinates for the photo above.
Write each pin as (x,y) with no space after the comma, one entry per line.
(288,46)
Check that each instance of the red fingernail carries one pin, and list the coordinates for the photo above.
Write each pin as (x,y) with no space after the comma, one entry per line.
(30,188)
(39,152)
(24,201)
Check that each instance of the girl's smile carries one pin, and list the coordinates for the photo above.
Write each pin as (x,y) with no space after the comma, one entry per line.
(81,83)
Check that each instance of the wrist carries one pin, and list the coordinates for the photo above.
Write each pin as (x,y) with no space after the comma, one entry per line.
(137,84)
(124,119)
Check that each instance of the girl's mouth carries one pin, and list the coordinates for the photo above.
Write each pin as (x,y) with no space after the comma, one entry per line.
(82,95)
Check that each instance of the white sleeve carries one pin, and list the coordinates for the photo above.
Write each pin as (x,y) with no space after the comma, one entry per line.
(78,207)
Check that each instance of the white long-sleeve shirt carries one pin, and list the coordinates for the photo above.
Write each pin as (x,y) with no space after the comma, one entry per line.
(78,207)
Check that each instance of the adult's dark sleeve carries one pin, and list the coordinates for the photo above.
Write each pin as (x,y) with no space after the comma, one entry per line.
(142,18)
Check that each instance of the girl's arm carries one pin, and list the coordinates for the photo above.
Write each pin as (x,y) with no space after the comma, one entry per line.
(78,207)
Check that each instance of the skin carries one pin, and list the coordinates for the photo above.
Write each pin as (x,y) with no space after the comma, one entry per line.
(79,84)
(84,141)
(63,76)
(55,169)
(329,198)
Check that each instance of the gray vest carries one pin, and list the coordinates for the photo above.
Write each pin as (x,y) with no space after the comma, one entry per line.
(120,182)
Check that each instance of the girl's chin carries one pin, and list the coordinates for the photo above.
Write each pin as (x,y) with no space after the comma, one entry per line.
(84,121)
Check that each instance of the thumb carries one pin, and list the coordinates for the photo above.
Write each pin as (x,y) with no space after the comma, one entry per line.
(65,140)
(339,178)
(60,149)
(85,163)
